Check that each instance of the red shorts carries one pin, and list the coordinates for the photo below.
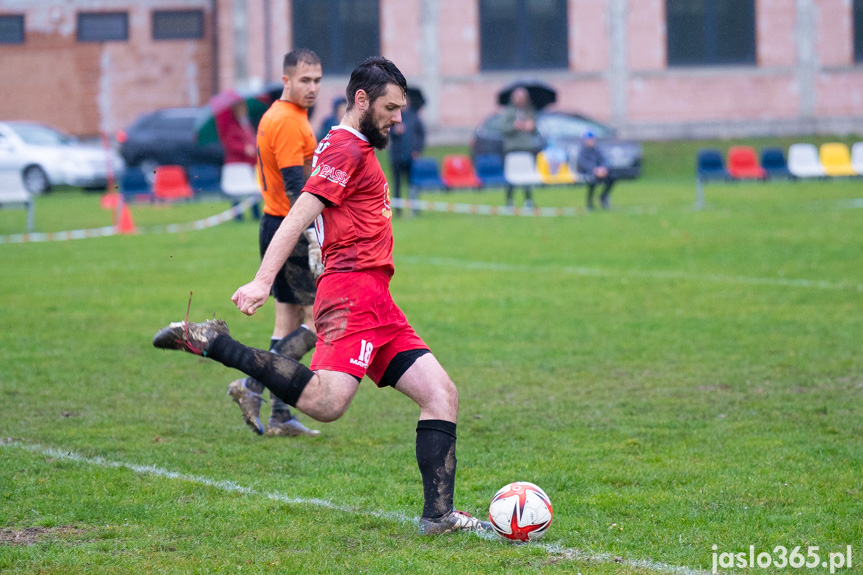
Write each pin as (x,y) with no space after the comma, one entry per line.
(360,328)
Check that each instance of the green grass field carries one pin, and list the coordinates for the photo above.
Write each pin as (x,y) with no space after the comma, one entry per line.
(674,379)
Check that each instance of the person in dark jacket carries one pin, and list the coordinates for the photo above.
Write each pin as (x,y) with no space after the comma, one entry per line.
(407,141)
(592,167)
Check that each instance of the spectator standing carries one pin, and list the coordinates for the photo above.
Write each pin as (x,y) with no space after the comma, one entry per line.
(237,136)
(407,141)
(591,165)
(520,134)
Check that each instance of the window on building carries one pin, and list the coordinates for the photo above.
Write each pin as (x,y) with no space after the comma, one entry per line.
(858,30)
(178,24)
(11,29)
(342,32)
(710,32)
(102,26)
(523,34)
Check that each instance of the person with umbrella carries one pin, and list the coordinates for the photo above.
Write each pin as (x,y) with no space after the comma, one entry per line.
(520,134)
(285,146)
(407,141)
(235,132)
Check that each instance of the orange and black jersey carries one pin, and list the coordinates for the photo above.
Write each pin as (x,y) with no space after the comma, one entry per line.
(286,144)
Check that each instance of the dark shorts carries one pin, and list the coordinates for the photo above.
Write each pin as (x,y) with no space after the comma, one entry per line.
(295,283)
(360,329)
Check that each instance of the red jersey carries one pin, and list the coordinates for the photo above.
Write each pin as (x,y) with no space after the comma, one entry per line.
(355,230)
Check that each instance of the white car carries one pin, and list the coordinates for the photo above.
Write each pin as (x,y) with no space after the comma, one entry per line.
(47,157)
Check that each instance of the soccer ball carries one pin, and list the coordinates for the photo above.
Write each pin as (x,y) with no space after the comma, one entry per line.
(521,511)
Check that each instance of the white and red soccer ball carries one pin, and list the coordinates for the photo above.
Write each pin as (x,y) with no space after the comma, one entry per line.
(521,511)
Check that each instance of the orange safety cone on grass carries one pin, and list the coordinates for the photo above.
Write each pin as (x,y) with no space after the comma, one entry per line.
(127,224)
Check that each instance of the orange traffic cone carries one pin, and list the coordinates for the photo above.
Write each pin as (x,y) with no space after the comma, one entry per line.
(127,224)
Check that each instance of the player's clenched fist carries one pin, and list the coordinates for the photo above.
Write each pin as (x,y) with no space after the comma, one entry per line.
(250,297)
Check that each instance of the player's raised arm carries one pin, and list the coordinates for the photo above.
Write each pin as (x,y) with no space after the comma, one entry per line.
(250,297)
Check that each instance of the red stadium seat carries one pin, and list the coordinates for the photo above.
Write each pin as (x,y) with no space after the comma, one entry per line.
(743,163)
(171,184)
(458,172)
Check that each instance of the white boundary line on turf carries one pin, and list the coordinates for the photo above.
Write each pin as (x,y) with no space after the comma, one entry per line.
(658,275)
(233,487)
(108,231)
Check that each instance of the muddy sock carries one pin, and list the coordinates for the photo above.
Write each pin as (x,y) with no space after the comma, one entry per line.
(285,377)
(437,463)
(280,411)
(296,344)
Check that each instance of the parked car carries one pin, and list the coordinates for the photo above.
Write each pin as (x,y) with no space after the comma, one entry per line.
(167,136)
(565,130)
(47,157)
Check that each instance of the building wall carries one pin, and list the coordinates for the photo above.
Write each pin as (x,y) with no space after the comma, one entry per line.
(86,87)
(805,78)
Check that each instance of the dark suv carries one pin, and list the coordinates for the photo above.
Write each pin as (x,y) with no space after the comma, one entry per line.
(167,136)
(565,130)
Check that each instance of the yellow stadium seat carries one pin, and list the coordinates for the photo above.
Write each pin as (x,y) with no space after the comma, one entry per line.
(559,174)
(836,159)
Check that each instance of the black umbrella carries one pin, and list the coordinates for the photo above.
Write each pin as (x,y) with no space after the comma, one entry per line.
(416,96)
(541,94)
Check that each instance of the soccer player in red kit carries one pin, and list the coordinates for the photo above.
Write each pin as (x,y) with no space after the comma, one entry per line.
(360,329)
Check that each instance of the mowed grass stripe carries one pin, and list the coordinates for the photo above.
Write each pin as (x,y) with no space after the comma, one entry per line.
(629,273)
(566,553)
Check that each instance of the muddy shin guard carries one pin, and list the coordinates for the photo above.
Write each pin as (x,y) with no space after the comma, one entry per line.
(285,377)
(437,463)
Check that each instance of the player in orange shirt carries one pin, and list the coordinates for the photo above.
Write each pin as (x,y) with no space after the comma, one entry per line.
(285,145)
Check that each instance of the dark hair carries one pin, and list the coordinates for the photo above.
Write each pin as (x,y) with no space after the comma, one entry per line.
(297,55)
(372,76)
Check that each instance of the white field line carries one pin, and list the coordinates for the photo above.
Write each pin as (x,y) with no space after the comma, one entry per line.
(642,274)
(567,553)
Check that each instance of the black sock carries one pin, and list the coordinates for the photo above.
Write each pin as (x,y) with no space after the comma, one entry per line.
(296,344)
(280,411)
(437,463)
(285,377)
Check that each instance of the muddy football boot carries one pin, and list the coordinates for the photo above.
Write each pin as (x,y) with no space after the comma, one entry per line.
(190,337)
(289,428)
(249,402)
(452,521)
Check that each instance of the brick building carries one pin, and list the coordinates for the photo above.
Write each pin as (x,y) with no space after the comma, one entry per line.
(653,68)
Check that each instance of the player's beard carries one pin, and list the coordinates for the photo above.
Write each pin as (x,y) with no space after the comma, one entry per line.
(369,129)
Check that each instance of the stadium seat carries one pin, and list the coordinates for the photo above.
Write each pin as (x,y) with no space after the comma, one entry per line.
(773,162)
(489,169)
(171,184)
(458,172)
(134,185)
(519,169)
(424,174)
(710,165)
(205,178)
(836,159)
(14,193)
(743,163)
(553,167)
(857,157)
(803,161)
(239,180)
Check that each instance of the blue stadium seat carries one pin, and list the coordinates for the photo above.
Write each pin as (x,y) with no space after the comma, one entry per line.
(773,162)
(425,174)
(134,185)
(489,169)
(205,178)
(711,166)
